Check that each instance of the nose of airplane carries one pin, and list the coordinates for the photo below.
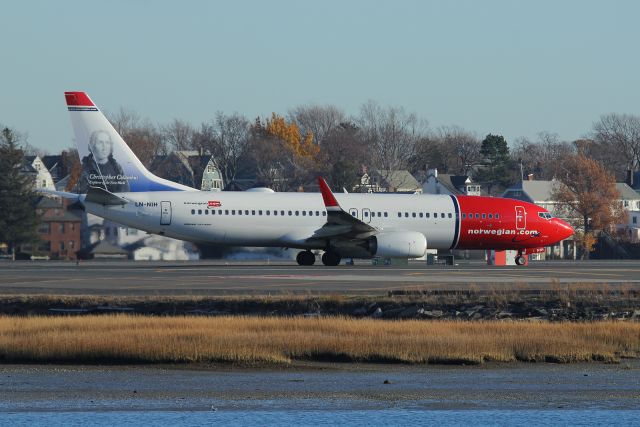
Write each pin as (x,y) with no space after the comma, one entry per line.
(563,229)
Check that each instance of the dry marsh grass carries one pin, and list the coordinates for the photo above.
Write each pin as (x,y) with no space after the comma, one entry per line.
(268,340)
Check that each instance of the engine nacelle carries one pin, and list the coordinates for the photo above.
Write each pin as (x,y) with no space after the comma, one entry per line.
(398,244)
(393,244)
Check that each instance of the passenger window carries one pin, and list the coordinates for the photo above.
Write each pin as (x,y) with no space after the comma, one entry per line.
(497,216)
(435,215)
(239,211)
(226,211)
(275,212)
(260,212)
(406,214)
(324,213)
(484,216)
(246,212)
(317,213)
(290,213)
(427,215)
(413,214)
(385,214)
(441,214)
(199,211)
(206,212)
(490,216)
(253,212)
(233,211)
(464,216)
(304,213)
(450,215)
(399,215)
(297,213)
(477,216)
(282,213)
(310,213)
(193,211)
(421,215)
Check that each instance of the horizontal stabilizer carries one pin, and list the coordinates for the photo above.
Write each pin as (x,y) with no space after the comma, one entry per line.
(103,197)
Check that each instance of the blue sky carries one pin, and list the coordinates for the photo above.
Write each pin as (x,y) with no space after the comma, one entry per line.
(508,67)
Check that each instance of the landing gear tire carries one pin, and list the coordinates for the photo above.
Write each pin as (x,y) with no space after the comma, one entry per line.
(306,258)
(520,260)
(330,258)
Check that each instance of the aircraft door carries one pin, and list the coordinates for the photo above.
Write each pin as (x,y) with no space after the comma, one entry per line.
(165,213)
(521,218)
(353,212)
(366,215)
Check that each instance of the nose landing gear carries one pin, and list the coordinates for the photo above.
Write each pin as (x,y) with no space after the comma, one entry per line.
(520,259)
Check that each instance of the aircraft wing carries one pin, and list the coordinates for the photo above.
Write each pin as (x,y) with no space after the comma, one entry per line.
(340,224)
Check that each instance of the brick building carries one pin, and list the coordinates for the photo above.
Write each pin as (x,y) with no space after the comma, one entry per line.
(59,229)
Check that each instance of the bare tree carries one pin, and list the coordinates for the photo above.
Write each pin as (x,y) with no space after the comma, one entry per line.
(390,134)
(617,138)
(226,138)
(342,155)
(543,157)
(179,135)
(320,120)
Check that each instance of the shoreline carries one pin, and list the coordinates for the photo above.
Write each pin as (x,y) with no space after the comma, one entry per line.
(567,303)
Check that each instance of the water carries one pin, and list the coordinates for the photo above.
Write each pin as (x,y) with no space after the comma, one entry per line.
(328,417)
(321,394)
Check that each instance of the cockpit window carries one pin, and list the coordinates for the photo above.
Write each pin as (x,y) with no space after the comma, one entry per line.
(545,215)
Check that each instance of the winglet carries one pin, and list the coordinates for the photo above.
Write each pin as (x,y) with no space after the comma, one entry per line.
(330,201)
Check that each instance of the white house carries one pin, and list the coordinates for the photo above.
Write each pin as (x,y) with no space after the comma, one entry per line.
(42,177)
(449,184)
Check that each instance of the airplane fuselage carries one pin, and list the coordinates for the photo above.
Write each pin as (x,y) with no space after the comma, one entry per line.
(288,219)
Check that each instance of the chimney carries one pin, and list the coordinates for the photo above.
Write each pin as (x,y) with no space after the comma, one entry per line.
(530,177)
(629,179)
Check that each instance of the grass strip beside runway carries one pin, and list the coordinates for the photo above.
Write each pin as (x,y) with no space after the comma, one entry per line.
(264,341)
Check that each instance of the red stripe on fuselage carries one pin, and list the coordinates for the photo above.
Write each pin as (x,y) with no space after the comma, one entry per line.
(78,99)
(506,231)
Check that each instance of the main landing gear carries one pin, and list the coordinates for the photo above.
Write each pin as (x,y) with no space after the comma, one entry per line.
(520,259)
(330,258)
(306,258)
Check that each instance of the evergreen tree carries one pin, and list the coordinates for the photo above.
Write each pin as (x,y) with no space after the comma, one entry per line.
(18,218)
(495,170)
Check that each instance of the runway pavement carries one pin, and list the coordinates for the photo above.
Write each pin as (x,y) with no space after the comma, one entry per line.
(233,278)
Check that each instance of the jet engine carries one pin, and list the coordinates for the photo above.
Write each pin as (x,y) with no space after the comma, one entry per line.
(394,244)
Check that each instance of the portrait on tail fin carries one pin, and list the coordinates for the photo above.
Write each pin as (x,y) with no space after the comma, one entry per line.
(100,168)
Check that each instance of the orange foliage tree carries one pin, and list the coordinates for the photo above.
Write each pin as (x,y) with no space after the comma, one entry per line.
(289,133)
(285,159)
(587,196)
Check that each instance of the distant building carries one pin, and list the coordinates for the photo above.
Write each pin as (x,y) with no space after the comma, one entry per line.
(436,183)
(60,228)
(36,169)
(388,181)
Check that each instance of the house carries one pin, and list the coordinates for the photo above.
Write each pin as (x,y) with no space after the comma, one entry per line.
(189,168)
(60,228)
(540,193)
(35,168)
(449,184)
(388,181)
(53,163)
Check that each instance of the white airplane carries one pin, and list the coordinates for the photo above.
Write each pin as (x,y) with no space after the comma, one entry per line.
(115,185)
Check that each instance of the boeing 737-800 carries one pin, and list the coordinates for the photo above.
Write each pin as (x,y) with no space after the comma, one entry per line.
(115,185)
